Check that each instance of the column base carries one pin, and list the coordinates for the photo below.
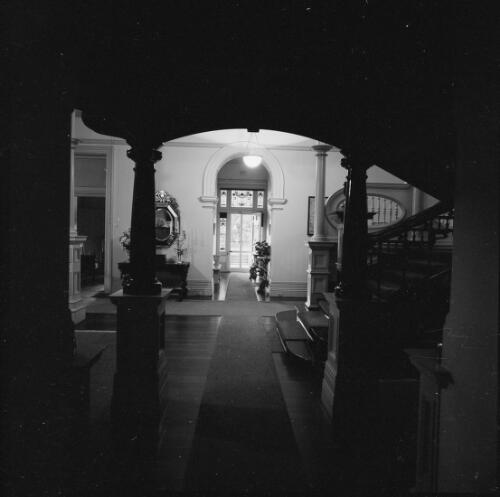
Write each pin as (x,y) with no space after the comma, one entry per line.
(135,409)
(318,271)
(78,311)
(130,287)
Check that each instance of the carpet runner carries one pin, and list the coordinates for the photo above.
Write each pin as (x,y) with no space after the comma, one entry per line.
(240,288)
(244,442)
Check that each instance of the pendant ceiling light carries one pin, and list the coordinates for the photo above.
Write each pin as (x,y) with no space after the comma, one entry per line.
(252,159)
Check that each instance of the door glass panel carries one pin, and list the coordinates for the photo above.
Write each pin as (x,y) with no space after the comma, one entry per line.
(223,198)
(260,199)
(242,198)
(222,233)
(236,232)
(245,232)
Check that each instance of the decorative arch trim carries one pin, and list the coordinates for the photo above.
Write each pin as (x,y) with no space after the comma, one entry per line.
(232,151)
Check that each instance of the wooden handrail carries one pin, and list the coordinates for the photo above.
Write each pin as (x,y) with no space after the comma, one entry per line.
(410,223)
(391,248)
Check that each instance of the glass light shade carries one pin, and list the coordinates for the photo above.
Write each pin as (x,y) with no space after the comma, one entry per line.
(252,160)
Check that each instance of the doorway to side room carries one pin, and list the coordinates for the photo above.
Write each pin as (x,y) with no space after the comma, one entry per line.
(90,191)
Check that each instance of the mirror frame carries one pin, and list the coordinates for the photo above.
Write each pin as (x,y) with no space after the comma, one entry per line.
(167,204)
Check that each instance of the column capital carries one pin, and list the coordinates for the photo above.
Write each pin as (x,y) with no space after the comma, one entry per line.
(355,161)
(74,142)
(141,154)
(321,148)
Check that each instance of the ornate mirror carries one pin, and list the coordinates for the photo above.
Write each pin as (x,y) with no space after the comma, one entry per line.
(167,219)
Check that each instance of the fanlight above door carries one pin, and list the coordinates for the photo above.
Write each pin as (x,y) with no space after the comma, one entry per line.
(167,219)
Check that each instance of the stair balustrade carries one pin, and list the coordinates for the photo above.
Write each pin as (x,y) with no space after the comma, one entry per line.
(405,258)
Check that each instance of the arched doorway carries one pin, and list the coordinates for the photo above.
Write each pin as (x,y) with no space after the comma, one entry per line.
(242,218)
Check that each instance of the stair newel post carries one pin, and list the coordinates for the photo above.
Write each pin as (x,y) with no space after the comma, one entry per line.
(355,237)
(142,280)
(320,245)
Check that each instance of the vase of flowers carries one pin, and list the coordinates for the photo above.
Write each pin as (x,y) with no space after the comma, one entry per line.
(179,249)
(125,241)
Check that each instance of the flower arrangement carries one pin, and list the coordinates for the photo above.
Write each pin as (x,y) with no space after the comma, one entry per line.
(125,240)
(180,245)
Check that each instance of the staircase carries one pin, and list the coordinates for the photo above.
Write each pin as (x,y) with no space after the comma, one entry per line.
(304,334)
(408,256)
(409,268)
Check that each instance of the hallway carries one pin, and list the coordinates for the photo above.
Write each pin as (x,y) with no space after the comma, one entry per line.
(240,416)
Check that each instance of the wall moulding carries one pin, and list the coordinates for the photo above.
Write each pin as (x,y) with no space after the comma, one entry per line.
(208,202)
(101,142)
(233,151)
(187,144)
(89,191)
(276,204)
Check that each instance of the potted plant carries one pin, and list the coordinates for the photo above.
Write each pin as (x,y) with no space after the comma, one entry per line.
(258,270)
(125,241)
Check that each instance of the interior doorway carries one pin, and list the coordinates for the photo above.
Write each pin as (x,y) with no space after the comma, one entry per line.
(91,223)
(92,177)
(241,214)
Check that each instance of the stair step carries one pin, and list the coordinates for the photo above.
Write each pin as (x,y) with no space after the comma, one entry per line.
(315,323)
(409,276)
(292,335)
(313,319)
(300,349)
(323,305)
(426,266)
(292,330)
(385,286)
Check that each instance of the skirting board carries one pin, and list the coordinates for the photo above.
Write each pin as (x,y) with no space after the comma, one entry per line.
(199,287)
(297,289)
(195,287)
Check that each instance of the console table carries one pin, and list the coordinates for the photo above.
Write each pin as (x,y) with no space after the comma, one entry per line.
(171,274)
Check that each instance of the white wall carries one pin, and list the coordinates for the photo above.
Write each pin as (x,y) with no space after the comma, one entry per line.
(180,172)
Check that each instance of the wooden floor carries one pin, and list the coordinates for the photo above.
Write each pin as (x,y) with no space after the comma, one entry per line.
(189,346)
(189,349)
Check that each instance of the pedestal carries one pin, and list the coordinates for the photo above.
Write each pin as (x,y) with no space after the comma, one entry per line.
(318,271)
(433,378)
(355,362)
(135,411)
(76,305)
(331,363)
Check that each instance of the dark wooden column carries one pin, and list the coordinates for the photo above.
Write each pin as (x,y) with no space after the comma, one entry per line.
(135,410)
(142,280)
(352,282)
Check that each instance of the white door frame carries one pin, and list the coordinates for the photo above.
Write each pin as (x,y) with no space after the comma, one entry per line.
(106,152)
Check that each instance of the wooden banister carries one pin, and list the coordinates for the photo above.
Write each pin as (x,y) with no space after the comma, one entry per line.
(407,224)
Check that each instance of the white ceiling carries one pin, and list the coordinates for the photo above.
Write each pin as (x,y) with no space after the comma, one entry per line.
(265,137)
